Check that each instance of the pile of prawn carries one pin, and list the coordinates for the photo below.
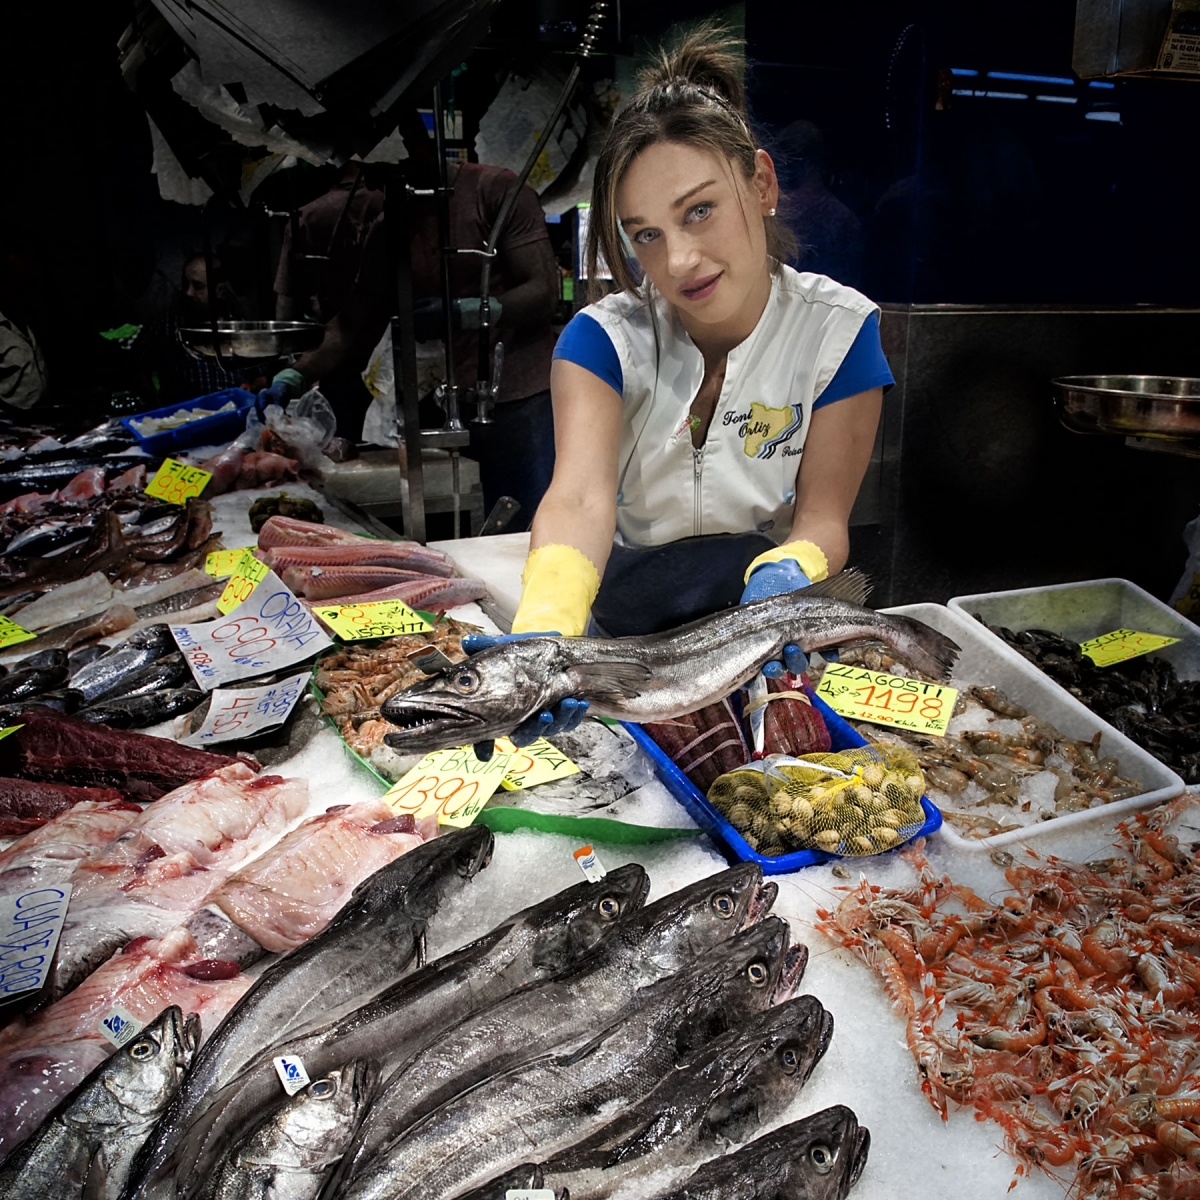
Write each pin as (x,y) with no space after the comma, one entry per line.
(1067,1012)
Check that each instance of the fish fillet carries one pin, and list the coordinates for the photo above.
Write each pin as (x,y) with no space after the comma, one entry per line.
(288,531)
(427,593)
(328,583)
(26,804)
(52,852)
(404,556)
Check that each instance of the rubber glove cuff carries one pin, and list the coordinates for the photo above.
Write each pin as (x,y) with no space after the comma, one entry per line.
(559,585)
(807,555)
(774,579)
(295,382)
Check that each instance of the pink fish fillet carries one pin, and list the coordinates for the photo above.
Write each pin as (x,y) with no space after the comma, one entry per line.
(404,556)
(87,485)
(295,889)
(429,594)
(288,531)
(161,869)
(44,1058)
(52,852)
(328,583)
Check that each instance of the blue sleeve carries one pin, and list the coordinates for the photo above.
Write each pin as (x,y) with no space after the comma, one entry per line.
(585,343)
(863,368)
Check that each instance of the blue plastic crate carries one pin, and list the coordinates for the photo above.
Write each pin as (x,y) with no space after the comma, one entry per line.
(842,737)
(208,431)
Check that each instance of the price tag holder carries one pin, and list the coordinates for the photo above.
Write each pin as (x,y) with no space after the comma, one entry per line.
(883,699)
(233,715)
(269,631)
(247,575)
(539,762)
(30,924)
(1122,645)
(177,482)
(12,634)
(291,1072)
(589,864)
(120,1027)
(377,619)
(222,563)
(452,784)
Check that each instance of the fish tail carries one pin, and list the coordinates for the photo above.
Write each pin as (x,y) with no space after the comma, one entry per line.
(930,652)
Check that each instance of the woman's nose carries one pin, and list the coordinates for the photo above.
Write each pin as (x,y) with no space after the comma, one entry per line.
(682,254)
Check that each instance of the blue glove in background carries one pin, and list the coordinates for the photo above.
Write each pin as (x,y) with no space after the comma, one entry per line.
(774,579)
(562,718)
(283,388)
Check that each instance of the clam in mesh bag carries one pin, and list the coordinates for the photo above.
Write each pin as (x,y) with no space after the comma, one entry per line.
(852,802)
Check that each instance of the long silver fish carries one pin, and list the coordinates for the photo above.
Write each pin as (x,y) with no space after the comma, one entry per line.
(89,1141)
(372,941)
(289,1154)
(652,678)
(819,1158)
(665,937)
(541,1108)
(539,943)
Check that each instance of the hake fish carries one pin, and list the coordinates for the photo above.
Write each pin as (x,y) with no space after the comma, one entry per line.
(87,1144)
(819,1158)
(653,678)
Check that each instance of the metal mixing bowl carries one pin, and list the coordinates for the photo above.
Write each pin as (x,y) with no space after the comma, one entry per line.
(1156,406)
(255,339)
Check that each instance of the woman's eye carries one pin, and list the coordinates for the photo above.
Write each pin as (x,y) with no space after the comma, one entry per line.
(698,212)
(644,237)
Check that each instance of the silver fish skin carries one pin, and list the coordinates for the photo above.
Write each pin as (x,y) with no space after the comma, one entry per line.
(551,1102)
(539,943)
(819,1158)
(104,674)
(723,1097)
(289,1155)
(664,938)
(372,940)
(90,1139)
(653,678)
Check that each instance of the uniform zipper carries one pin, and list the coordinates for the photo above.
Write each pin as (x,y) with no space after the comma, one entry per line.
(697,508)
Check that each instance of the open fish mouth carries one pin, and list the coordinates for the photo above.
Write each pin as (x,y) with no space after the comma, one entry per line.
(761,902)
(791,973)
(421,720)
(859,1149)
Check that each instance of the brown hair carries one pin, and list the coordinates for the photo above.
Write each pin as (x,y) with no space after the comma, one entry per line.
(693,95)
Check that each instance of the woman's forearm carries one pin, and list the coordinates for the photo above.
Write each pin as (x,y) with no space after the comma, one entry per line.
(587,523)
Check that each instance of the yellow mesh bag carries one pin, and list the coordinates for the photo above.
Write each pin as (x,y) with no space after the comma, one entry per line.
(852,802)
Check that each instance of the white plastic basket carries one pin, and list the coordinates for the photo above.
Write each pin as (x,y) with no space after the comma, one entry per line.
(986,657)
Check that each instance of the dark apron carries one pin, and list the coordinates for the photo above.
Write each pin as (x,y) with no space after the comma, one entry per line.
(657,588)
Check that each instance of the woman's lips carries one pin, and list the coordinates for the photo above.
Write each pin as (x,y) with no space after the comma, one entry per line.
(703,288)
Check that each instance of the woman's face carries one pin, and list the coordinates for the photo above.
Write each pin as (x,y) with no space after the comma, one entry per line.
(696,225)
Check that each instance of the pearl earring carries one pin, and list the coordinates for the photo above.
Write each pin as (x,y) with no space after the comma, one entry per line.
(771,213)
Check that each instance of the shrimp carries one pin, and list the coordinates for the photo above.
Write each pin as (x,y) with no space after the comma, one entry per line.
(1178,1139)
(900,944)
(1100,944)
(1016,1040)
(1153,973)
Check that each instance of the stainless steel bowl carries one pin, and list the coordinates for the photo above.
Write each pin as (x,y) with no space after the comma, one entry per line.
(1155,406)
(255,339)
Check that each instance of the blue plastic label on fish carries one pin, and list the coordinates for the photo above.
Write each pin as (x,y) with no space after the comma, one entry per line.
(291,1072)
(120,1026)
(30,923)
(236,714)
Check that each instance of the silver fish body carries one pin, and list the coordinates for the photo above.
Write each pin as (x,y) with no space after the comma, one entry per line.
(819,1158)
(290,1153)
(104,675)
(652,678)
(549,1103)
(89,1141)
(374,939)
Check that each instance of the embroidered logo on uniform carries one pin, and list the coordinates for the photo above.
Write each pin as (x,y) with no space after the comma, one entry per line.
(767,428)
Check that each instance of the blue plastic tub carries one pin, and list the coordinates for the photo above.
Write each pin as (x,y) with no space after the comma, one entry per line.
(731,843)
(208,431)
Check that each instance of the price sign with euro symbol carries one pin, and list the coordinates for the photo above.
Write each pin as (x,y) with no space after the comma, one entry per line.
(176,482)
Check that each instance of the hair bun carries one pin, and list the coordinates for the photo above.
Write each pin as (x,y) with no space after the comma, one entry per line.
(706,58)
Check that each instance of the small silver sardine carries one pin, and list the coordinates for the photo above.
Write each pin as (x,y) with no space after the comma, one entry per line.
(653,678)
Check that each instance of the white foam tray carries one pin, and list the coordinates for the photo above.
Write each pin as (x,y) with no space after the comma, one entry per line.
(986,657)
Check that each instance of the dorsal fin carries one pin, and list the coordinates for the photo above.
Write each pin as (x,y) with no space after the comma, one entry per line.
(853,586)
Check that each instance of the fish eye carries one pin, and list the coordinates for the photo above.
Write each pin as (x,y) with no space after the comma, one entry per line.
(609,906)
(790,1060)
(757,973)
(142,1050)
(722,905)
(466,679)
(821,1158)
(323,1089)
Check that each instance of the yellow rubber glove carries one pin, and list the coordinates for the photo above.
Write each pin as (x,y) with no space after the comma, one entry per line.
(559,585)
(809,555)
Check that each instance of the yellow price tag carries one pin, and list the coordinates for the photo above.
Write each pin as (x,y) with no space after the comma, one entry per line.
(1122,644)
(175,481)
(9,729)
(12,634)
(453,784)
(883,699)
(221,563)
(248,574)
(376,619)
(539,762)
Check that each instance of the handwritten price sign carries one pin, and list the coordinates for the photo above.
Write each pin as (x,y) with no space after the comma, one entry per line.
(11,634)
(451,784)
(539,762)
(247,575)
(883,699)
(176,482)
(1123,644)
(242,714)
(269,631)
(222,563)
(377,619)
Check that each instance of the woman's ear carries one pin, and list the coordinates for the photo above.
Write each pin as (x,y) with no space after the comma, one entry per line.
(765,182)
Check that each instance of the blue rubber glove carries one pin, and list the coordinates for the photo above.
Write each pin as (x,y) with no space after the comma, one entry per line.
(562,718)
(288,384)
(774,579)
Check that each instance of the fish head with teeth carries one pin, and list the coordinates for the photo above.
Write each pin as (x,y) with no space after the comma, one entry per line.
(487,696)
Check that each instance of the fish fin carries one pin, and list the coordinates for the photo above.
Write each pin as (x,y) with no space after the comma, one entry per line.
(609,680)
(853,586)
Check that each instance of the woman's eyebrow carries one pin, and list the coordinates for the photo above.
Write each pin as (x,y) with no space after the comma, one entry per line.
(677,203)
